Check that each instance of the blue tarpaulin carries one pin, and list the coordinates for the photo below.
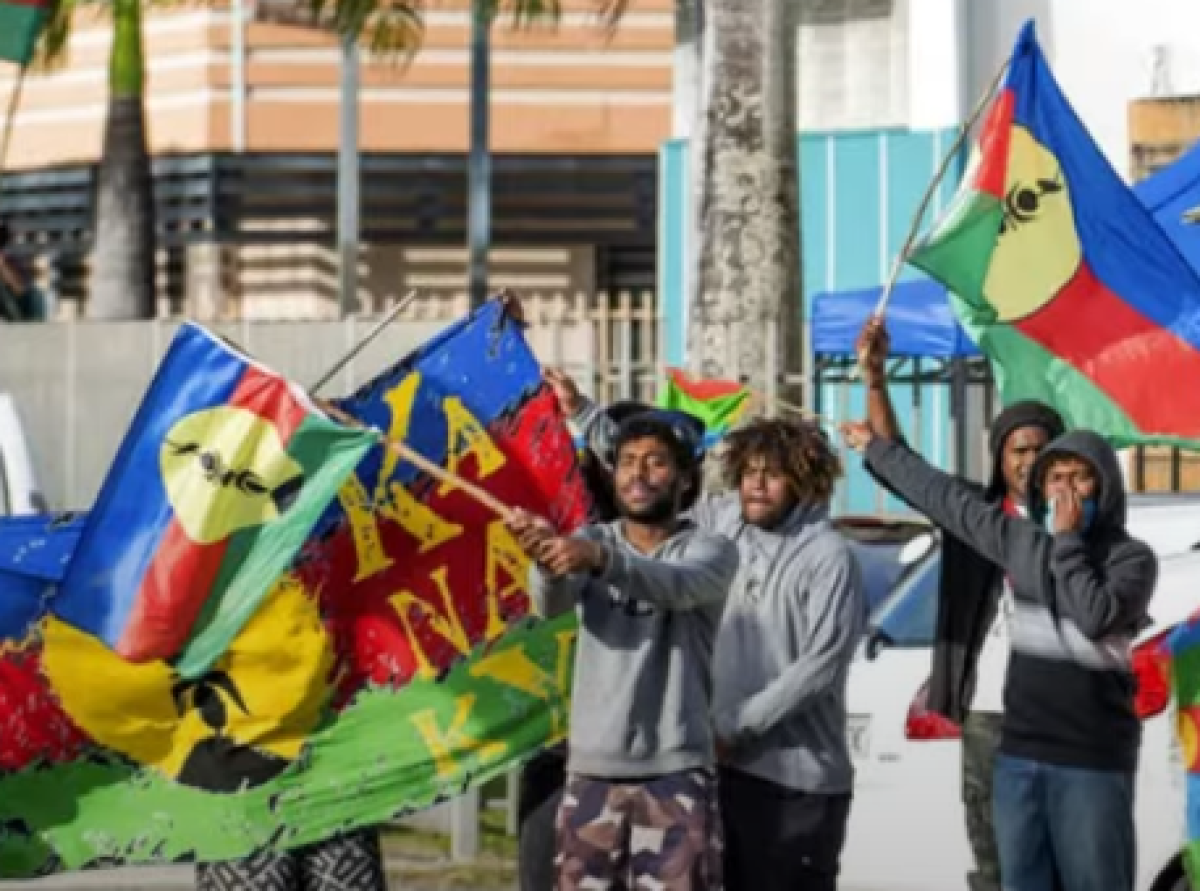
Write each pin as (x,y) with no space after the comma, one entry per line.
(920,320)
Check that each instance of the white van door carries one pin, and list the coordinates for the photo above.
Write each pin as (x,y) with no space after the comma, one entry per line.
(19,491)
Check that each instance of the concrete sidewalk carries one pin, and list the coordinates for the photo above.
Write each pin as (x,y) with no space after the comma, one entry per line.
(403,876)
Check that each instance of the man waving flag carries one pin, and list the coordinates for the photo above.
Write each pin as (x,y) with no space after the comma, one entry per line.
(1063,278)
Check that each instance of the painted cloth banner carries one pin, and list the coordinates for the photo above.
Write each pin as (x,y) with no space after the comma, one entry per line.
(393,666)
(1062,276)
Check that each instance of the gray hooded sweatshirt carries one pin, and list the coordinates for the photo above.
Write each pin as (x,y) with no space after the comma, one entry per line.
(789,633)
(1081,599)
(643,662)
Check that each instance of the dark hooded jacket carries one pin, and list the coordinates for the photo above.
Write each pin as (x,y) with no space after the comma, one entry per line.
(1080,600)
(970,584)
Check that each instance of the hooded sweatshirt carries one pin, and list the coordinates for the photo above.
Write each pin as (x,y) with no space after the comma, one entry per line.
(643,662)
(791,625)
(970,585)
(790,629)
(1080,600)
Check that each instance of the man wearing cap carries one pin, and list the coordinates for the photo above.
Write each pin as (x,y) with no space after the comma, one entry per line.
(545,776)
(640,807)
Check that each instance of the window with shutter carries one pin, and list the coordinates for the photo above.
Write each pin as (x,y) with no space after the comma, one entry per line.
(853,64)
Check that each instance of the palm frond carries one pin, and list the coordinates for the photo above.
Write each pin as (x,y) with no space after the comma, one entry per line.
(381,27)
(52,48)
(612,11)
(396,27)
(524,12)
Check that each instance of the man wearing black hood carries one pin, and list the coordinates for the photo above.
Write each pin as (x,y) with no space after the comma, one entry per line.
(1080,589)
(971,644)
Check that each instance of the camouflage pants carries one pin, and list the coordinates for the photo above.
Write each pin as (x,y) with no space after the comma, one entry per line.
(657,834)
(980,740)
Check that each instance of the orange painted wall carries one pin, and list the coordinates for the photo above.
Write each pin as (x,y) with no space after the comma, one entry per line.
(574,88)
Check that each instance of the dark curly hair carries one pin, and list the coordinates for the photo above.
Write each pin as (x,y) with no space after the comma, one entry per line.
(684,456)
(799,449)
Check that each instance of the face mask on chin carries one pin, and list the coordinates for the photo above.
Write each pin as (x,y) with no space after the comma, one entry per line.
(1089,515)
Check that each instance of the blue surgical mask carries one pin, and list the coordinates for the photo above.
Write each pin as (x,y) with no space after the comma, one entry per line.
(1089,515)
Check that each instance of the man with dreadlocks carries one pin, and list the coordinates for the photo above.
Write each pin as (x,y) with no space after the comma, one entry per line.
(792,621)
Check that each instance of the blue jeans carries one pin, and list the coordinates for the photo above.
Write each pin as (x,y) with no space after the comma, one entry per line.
(1078,823)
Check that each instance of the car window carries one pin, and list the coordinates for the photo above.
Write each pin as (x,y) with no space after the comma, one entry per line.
(909,617)
(879,568)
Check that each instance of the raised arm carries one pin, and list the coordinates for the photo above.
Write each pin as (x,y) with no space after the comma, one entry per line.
(947,501)
(827,619)
(873,346)
(589,420)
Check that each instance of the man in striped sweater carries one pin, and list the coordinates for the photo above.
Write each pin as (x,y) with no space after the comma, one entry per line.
(1081,587)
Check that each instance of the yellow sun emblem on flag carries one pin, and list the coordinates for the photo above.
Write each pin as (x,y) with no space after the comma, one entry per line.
(1038,250)
(1189,737)
(240,725)
(226,469)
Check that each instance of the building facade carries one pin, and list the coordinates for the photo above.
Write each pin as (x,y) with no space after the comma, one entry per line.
(243,122)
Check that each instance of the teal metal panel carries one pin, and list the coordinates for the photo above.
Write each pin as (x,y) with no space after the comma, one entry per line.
(859,191)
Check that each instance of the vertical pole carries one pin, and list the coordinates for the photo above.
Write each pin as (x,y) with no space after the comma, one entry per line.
(348,181)
(464,827)
(464,840)
(479,183)
(10,118)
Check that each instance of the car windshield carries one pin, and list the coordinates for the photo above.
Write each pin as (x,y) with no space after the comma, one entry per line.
(877,544)
(908,617)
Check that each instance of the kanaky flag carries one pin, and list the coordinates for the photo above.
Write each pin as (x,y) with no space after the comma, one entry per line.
(222,475)
(1183,651)
(21,22)
(1062,277)
(719,404)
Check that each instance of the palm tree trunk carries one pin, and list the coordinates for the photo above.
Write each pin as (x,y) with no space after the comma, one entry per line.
(746,263)
(123,271)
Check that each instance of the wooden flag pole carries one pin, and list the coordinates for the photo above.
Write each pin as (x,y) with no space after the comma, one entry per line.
(441,474)
(914,228)
(10,117)
(362,344)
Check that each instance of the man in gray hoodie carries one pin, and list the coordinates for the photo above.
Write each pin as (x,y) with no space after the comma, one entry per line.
(790,629)
(640,807)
